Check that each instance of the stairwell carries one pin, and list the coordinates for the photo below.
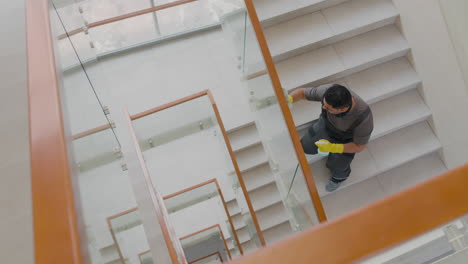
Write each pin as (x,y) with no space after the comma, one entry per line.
(357,43)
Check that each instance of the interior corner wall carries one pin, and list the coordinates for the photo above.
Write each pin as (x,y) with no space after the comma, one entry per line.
(16,229)
(435,60)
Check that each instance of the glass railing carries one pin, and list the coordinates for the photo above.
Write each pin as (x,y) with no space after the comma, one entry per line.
(294,185)
(171,138)
(117,25)
(93,95)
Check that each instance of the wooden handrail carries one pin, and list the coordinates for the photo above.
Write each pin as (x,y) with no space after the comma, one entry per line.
(56,232)
(216,253)
(168,105)
(189,189)
(226,141)
(378,226)
(91,131)
(283,104)
(126,16)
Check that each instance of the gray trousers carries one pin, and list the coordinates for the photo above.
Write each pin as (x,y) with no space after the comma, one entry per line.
(338,164)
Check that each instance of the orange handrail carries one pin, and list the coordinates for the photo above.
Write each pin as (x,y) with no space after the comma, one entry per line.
(226,141)
(56,231)
(376,227)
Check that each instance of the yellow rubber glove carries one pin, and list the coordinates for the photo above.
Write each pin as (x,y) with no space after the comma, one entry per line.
(325,146)
(290,99)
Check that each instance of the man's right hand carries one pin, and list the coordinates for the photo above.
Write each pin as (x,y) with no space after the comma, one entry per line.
(297,95)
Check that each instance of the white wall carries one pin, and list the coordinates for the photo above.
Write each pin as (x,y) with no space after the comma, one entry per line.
(443,88)
(16,242)
(457,22)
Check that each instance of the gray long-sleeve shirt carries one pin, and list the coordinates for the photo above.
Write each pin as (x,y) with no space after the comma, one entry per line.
(363,131)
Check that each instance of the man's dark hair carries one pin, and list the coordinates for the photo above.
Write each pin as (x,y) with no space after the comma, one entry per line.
(338,96)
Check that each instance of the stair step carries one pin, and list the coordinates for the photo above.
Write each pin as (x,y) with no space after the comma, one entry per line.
(269,218)
(382,155)
(343,58)
(353,197)
(271,12)
(272,216)
(403,146)
(388,118)
(412,173)
(264,212)
(265,196)
(278,232)
(238,221)
(328,26)
(384,80)
(258,177)
(244,137)
(251,157)
(233,207)
(243,235)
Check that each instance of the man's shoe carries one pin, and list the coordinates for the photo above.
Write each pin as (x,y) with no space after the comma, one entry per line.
(332,186)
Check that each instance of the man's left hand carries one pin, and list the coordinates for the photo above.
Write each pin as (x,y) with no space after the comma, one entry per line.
(327,147)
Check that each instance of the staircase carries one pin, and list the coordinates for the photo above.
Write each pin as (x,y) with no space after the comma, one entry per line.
(356,43)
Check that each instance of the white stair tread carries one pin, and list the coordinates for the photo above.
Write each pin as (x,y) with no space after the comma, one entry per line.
(357,13)
(243,235)
(233,207)
(278,232)
(345,200)
(275,11)
(388,118)
(330,25)
(244,137)
(400,147)
(383,80)
(296,33)
(258,177)
(269,217)
(265,196)
(371,46)
(272,216)
(238,221)
(375,188)
(412,173)
(251,157)
(403,146)
(355,54)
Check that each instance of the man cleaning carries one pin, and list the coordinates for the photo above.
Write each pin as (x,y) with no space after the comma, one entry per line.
(343,128)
